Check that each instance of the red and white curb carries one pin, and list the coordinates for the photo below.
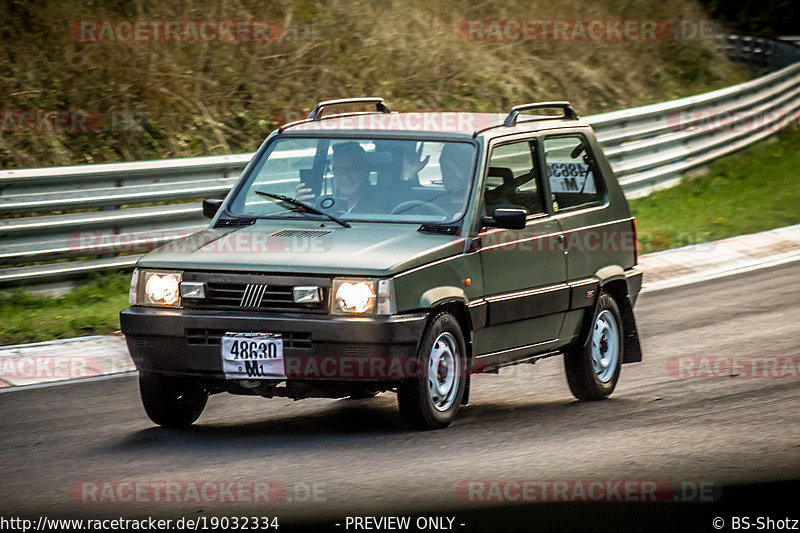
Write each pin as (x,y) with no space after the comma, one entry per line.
(727,257)
(63,361)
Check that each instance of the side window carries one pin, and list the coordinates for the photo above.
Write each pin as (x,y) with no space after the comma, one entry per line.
(511,179)
(572,172)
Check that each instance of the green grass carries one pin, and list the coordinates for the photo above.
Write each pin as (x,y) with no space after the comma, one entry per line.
(755,190)
(751,191)
(91,309)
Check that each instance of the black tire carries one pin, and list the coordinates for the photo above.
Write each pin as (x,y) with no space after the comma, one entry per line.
(171,402)
(589,381)
(431,401)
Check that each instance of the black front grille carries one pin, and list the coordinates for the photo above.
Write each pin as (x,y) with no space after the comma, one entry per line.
(213,337)
(232,295)
(255,293)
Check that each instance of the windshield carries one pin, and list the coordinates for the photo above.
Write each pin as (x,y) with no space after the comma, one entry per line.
(359,179)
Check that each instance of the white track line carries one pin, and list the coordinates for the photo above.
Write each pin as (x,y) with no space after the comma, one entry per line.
(682,281)
(68,382)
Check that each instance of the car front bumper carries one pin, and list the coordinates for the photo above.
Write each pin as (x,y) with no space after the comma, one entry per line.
(186,342)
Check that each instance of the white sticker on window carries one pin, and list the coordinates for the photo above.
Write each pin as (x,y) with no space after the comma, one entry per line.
(570,177)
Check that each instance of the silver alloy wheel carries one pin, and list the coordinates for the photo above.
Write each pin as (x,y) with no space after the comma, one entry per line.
(444,368)
(605,345)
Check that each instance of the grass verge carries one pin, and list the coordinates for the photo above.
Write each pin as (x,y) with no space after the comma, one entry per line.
(755,190)
(92,309)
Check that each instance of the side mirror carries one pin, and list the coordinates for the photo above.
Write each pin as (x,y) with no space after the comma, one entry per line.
(506,219)
(211,206)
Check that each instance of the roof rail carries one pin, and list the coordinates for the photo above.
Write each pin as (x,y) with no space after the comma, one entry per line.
(380,105)
(316,114)
(513,113)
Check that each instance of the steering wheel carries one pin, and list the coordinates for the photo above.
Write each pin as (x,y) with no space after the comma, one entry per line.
(412,204)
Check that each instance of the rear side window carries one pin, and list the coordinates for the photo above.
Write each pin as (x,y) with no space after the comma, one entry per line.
(572,172)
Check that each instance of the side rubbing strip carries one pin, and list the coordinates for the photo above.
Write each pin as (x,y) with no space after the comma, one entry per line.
(528,304)
(584,293)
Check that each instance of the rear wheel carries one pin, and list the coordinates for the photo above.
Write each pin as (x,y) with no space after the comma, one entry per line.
(431,399)
(593,368)
(171,401)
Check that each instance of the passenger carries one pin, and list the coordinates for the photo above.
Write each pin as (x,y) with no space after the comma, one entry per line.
(454,164)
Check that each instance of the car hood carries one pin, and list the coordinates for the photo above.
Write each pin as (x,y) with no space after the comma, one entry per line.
(364,249)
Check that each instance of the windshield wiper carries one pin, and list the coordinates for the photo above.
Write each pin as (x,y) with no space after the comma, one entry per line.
(303,206)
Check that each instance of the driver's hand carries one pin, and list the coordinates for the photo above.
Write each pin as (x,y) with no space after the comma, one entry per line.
(303,192)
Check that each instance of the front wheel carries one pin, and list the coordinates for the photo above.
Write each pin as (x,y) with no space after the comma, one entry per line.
(170,401)
(593,368)
(431,399)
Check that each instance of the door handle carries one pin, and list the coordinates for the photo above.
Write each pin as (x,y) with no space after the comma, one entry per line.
(562,241)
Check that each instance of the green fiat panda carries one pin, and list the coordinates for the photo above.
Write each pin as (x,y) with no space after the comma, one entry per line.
(365,252)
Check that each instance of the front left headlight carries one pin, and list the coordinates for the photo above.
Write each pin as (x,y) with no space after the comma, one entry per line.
(156,288)
(354,296)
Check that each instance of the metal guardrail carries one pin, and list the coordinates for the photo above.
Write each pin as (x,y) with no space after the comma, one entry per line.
(649,147)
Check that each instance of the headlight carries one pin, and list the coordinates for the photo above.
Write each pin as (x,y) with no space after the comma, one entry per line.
(362,297)
(157,288)
(356,297)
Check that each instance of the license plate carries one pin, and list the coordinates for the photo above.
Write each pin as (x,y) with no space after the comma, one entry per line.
(252,356)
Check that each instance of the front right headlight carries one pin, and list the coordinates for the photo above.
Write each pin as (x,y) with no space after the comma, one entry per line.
(359,296)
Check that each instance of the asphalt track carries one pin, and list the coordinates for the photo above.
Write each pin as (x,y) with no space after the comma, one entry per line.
(732,442)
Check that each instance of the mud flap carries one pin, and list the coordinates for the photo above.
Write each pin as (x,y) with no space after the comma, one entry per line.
(632,348)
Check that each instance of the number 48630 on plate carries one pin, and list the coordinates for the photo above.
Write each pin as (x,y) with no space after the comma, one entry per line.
(252,356)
